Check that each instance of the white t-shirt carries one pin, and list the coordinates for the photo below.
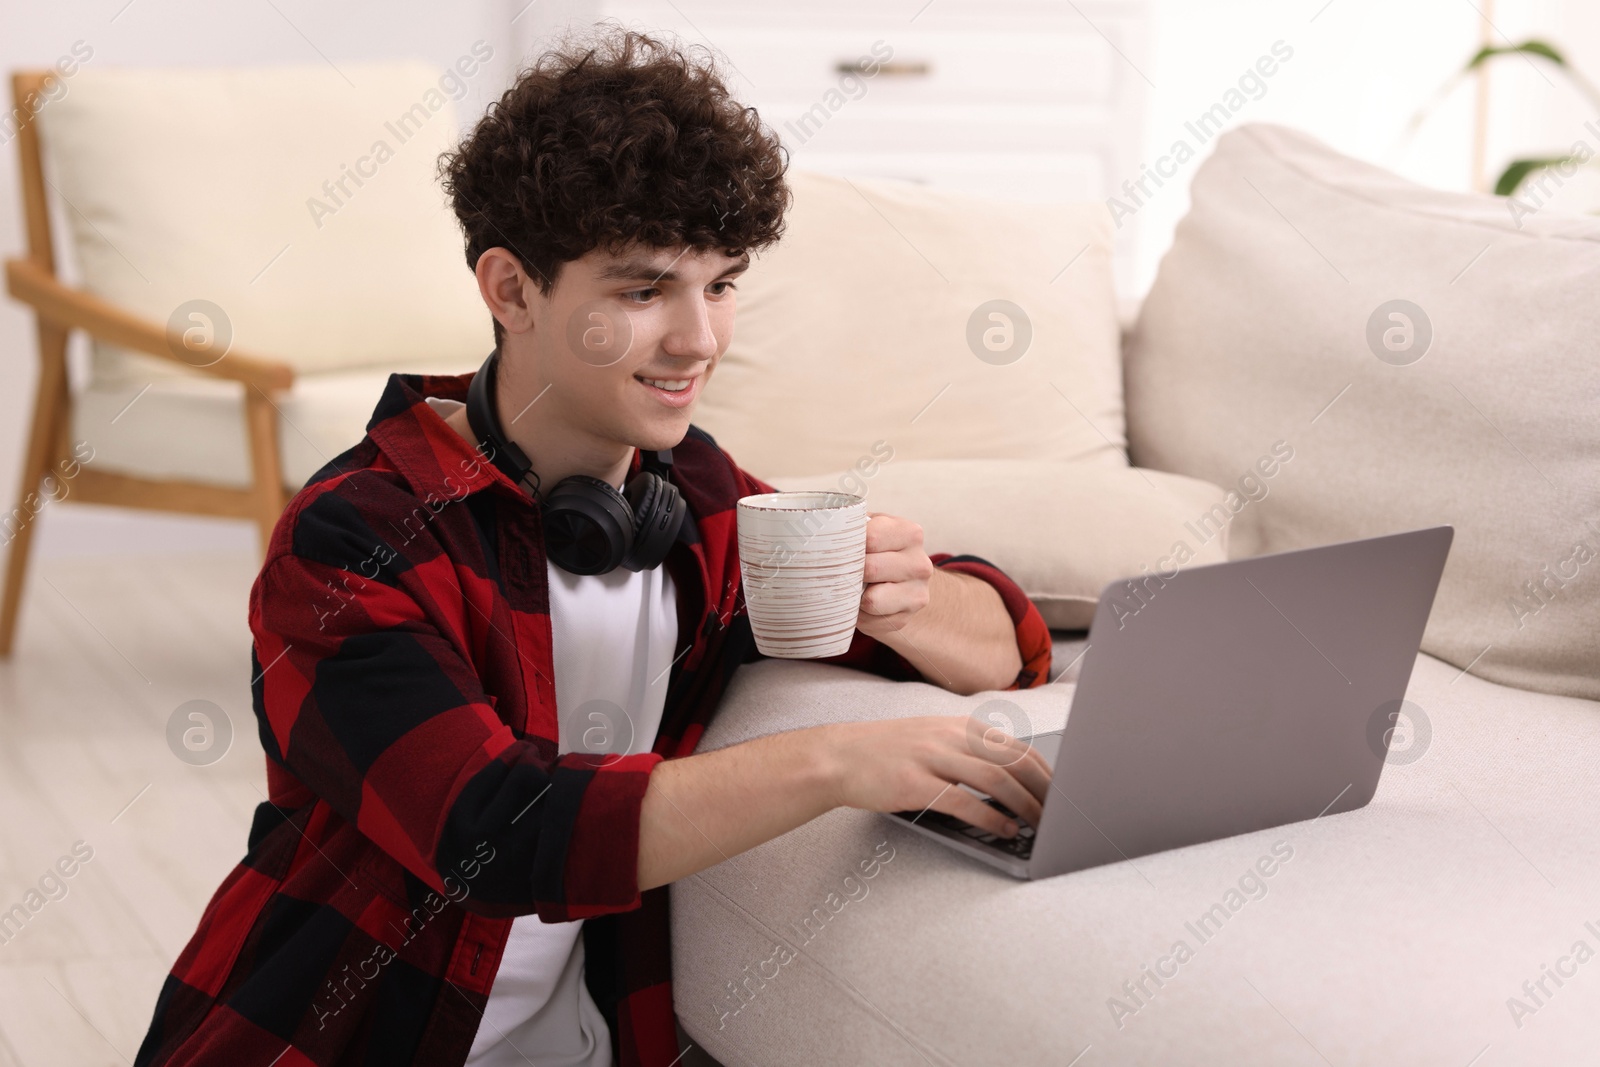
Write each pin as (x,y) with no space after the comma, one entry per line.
(613,637)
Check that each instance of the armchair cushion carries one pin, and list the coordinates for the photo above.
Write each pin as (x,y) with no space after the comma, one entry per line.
(304,206)
(192,428)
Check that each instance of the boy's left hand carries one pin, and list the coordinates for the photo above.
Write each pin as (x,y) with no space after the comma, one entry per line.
(897,575)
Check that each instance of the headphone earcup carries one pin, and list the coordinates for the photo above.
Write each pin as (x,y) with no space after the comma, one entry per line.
(658,511)
(588,525)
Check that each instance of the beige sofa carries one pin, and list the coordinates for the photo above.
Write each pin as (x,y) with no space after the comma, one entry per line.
(1455,919)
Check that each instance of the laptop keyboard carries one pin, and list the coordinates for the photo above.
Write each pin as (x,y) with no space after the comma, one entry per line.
(1020,846)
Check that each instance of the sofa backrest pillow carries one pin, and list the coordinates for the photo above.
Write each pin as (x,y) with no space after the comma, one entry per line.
(890,311)
(1429,356)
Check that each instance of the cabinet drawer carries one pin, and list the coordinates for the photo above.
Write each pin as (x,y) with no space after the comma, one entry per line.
(956,51)
(925,67)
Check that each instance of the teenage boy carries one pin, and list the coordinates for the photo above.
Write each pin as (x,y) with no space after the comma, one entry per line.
(480,764)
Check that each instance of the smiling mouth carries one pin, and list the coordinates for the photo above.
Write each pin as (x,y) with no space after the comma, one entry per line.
(672,392)
(671,385)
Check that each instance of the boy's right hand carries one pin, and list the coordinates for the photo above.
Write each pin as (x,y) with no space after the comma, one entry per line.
(917,764)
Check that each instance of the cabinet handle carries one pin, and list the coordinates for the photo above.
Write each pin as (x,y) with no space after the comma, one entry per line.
(912,68)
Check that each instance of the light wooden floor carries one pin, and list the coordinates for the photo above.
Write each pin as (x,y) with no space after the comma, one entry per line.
(108,649)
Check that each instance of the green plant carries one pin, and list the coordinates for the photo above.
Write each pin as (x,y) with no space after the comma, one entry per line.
(1532,50)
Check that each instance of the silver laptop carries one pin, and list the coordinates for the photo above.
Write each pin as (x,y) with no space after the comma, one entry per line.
(1225,699)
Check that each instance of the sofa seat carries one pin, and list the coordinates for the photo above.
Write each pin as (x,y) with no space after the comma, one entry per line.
(318,418)
(1397,933)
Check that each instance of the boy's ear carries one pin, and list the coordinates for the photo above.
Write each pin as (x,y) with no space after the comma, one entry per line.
(507,290)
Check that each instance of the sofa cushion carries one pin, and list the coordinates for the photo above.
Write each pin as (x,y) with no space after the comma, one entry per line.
(1397,933)
(1062,530)
(302,205)
(875,318)
(1272,318)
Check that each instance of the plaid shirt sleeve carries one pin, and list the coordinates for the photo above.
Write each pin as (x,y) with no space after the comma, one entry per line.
(377,709)
(868,653)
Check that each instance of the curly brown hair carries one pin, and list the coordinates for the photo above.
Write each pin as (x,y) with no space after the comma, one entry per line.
(623,139)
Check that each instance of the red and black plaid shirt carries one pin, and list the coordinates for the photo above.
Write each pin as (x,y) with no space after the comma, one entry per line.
(405,700)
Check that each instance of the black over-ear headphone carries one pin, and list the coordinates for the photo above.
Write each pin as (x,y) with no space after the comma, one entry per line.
(589,527)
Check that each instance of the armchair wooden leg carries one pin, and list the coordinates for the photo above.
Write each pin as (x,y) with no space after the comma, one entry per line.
(261,425)
(49,418)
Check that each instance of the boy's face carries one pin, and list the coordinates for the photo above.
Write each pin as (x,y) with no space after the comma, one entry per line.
(627,342)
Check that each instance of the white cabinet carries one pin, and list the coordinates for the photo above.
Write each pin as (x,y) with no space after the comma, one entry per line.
(1019,99)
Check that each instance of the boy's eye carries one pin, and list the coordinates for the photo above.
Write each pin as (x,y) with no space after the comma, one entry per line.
(640,296)
(721,288)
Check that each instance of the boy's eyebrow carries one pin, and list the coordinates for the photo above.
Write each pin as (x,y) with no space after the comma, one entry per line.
(633,269)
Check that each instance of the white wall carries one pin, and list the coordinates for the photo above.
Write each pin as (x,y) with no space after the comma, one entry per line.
(1359,70)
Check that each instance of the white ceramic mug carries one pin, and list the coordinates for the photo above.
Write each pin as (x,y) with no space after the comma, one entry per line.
(802,556)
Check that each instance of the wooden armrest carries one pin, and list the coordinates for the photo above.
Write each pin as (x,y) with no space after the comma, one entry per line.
(63,305)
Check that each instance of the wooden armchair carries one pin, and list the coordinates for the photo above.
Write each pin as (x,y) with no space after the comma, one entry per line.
(201,176)
(59,309)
